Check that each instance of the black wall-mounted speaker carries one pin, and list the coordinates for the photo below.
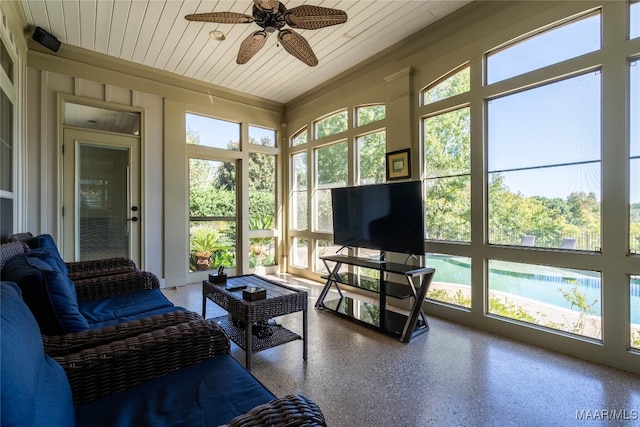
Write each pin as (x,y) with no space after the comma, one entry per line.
(46,39)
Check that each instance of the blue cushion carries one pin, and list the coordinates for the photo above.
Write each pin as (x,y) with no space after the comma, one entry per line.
(48,293)
(52,257)
(124,306)
(42,241)
(35,390)
(116,320)
(209,393)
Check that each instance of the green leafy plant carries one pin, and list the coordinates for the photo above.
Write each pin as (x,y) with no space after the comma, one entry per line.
(202,243)
(579,299)
(260,248)
(511,310)
(635,339)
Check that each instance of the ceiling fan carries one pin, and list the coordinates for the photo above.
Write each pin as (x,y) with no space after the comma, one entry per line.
(272,16)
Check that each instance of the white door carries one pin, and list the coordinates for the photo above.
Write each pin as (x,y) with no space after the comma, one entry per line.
(101,196)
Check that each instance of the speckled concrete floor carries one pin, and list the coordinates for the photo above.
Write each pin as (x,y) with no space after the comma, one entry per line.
(450,376)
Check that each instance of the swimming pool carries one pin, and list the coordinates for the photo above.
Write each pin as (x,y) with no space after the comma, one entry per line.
(540,283)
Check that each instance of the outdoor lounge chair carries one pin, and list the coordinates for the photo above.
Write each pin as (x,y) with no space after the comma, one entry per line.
(528,240)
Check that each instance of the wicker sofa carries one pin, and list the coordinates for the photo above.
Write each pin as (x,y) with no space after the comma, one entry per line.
(181,375)
(71,297)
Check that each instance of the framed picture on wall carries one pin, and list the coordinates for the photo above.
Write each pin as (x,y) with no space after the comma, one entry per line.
(398,165)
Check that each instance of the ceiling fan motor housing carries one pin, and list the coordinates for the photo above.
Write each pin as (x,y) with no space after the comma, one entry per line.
(271,22)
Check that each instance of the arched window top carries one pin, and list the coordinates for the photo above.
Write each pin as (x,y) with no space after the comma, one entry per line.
(299,137)
(330,125)
(454,83)
(561,42)
(366,114)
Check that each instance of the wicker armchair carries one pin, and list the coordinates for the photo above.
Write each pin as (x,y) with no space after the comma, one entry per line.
(87,269)
(116,284)
(44,293)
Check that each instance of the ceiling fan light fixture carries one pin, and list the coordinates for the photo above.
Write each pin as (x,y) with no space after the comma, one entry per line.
(217,35)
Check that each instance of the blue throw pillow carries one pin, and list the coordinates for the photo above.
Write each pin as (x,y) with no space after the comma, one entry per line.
(35,389)
(42,241)
(48,293)
(52,257)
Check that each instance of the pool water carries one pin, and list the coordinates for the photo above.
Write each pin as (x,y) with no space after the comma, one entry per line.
(540,283)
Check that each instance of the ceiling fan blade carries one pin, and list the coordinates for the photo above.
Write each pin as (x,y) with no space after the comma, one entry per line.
(298,46)
(250,46)
(221,17)
(313,17)
(272,5)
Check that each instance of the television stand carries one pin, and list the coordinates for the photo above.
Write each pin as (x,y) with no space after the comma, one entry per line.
(376,315)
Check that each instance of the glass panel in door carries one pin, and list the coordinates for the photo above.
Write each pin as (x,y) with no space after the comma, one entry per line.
(102,211)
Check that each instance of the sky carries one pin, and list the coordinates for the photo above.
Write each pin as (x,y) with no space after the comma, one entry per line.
(570,110)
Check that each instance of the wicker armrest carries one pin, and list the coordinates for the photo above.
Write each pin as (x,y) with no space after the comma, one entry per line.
(114,285)
(290,411)
(60,345)
(100,267)
(119,365)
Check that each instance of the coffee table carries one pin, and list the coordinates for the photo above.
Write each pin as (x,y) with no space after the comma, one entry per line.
(280,300)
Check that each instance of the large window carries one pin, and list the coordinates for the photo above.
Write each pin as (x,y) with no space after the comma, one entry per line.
(634,196)
(451,282)
(565,299)
(634,296)
(262,136)
(5,61)
(212,214)
(544,165)
(299,201)
(561,43)
(211,132)
(300,252)
(262,208)
(7,147)
(447,159)
(332,169)
(347,148)
(6,142)
(634,19)
(447,183)
(371,157)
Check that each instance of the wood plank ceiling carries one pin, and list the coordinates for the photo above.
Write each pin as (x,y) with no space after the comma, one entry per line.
(155,33)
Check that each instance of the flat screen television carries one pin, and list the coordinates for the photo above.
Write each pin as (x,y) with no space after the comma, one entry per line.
(387,217)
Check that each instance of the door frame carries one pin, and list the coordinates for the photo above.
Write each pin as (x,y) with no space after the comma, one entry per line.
(71,136)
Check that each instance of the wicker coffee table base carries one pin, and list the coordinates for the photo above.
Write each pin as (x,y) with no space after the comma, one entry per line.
(279,335)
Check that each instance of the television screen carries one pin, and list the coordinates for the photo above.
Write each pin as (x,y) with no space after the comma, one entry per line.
(387,217)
